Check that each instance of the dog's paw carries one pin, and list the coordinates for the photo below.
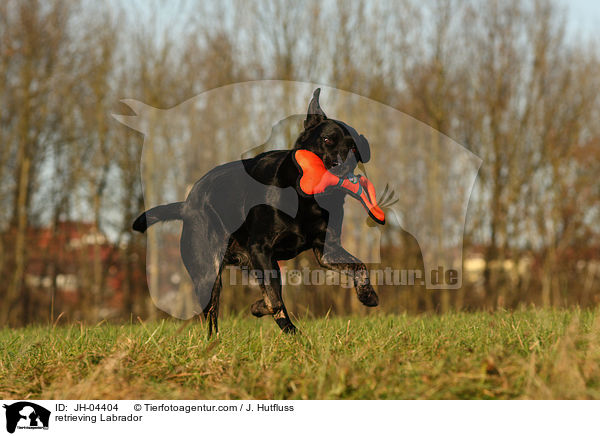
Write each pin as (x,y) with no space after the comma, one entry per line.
(367,296)
(259,309)
(286,326)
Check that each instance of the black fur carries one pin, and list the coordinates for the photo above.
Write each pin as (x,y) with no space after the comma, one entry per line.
(267,234)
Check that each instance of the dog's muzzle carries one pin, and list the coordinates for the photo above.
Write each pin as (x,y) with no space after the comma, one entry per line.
(315,179)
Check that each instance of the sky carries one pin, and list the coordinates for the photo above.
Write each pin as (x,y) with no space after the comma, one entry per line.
(584,17)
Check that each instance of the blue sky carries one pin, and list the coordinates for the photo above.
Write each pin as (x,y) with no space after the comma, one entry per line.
(584,17)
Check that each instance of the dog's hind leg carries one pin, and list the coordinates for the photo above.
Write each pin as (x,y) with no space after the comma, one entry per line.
(203,246)
(211,312)
(283,320)
(272,302)
(259,308)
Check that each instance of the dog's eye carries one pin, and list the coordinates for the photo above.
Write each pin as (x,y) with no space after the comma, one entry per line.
(328,141)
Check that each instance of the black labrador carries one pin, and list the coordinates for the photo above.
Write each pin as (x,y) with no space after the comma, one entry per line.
(267,234)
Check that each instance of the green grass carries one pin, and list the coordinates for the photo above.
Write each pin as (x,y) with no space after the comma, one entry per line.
(523,354)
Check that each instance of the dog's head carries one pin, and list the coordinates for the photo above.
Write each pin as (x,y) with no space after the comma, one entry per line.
(338,145)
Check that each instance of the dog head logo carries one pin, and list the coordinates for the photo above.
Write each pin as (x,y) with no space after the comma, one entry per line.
(406,174)
(26,415)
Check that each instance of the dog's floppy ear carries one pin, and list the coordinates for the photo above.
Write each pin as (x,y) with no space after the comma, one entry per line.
(314,114)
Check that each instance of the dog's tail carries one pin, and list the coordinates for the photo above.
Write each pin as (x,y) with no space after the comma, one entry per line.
(166,212)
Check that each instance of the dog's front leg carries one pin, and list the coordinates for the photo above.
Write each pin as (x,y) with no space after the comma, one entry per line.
(335,257)
(330,253)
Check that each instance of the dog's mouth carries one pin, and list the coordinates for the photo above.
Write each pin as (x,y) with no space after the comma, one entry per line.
(339,166)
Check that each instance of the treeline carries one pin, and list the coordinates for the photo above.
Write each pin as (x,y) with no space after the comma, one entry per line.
(503,78)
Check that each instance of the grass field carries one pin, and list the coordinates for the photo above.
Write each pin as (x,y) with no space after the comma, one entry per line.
(523,354)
